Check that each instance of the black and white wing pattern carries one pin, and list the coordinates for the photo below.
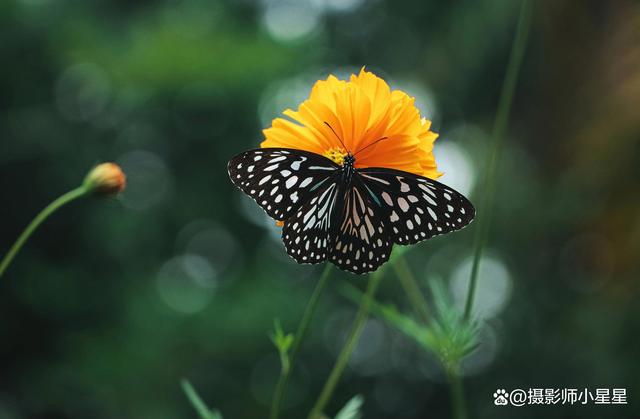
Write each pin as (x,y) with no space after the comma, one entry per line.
(308,234)
(413,207)
(351,217)
(280,180)
(362,243)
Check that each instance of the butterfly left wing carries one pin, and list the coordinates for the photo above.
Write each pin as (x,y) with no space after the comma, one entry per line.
(280,180)
(415,208)
(308,234)
(362,242)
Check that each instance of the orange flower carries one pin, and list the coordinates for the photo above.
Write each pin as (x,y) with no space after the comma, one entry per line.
(363,112)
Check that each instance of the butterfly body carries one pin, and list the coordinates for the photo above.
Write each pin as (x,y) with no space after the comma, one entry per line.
(346,173)
(348,169)
(347,215)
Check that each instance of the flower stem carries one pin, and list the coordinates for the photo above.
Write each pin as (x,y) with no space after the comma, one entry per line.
(299,336)
(457,395)
(43,215)
(420,306)
(352,340)
(499,128)
(411,288)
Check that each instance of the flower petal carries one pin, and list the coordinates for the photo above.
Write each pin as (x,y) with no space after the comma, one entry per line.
(382,128)
(377,90)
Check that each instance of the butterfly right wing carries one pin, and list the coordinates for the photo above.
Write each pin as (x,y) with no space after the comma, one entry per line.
(415,208)
(363,243)
(280,180)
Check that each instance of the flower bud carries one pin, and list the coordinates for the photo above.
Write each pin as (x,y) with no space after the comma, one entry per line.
(105,179)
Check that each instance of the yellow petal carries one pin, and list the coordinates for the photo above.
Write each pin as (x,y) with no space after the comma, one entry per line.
(376,89)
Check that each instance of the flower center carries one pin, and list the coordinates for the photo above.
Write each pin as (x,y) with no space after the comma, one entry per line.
(336,154)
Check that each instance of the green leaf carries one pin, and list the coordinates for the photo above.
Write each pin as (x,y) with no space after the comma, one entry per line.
(455,337)
(201,408)
(448,335)
(351,409)
(391,315)
(397,251)
(282,342)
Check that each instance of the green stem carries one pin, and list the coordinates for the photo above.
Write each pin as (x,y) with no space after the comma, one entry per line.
(198,404)
(299,336)
(457,395)
(411,288)
(420,306)
(499,128)
(352,340)
(43,215)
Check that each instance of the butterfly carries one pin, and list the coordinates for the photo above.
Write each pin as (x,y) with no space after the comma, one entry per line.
(349,216)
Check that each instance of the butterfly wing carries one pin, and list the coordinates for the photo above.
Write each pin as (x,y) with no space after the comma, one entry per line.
(280,180)
(308,234)
(362,242)
(415,208)
(354,225)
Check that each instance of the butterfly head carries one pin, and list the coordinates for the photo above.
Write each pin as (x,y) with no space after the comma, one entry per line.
(349,161)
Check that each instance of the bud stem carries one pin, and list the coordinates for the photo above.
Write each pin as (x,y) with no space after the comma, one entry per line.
(35,223)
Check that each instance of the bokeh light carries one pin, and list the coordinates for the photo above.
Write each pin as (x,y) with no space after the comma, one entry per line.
(290,20)
(211,241)
(493,288)
(484,355)
(82,92)
(186,283)
(371,355)
(281,95)
(454,160)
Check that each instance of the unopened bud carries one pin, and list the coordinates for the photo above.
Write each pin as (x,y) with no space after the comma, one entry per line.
(105,179)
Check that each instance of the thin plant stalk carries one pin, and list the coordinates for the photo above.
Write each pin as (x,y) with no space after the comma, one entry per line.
(198,404)
(411,288)
(35,223)
(497,137)
(457,394)
(352,340)
(299,336)
(421,307)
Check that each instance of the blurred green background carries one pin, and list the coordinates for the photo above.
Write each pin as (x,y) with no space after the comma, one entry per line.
(112,302)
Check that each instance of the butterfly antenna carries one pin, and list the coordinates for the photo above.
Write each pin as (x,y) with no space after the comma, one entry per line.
(334,133)
(369,145)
